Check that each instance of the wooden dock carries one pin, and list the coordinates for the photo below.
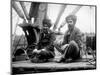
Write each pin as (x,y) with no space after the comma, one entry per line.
(21,67)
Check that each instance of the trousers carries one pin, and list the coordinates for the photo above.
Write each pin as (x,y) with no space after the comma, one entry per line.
(72,51)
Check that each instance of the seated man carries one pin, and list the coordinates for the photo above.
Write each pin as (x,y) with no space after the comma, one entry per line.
(45,48)
(40,42)
(72,40)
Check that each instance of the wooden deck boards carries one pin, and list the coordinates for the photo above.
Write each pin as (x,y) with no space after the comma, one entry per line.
(27,64)
(21,67)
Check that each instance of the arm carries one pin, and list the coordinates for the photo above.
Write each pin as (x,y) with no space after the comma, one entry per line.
(79,38)
(55,32)
(58,49)
(66,38)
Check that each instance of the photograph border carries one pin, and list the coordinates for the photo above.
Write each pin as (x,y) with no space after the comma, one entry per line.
(50,3)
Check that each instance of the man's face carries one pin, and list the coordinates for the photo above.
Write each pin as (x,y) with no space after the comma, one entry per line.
(70,23)
(45,28)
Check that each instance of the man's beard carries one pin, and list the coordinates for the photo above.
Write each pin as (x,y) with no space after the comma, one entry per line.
(70,28)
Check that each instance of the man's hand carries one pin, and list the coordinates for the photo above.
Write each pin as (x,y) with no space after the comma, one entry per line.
(43,50)
(36,51)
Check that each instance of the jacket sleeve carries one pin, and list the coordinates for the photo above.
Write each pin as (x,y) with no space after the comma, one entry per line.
(66,38)
(79,38)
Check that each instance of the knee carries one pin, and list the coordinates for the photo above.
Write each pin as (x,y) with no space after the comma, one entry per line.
(73,43)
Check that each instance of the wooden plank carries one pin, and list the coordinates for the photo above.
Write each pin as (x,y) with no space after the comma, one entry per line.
(75,10)
(59,16)
(41,15)
(24,10)
(26,67)
(82,63)
(28,64)
(18,10)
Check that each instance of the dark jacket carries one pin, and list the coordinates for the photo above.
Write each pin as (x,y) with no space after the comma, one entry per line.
(46,39)
(75,35)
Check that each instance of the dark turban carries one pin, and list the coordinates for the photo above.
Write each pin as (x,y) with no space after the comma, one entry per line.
(47,22)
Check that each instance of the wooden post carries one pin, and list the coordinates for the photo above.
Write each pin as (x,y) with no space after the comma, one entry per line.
(18,10)
(24,10)
(41,14)
(59,16)
(75,10)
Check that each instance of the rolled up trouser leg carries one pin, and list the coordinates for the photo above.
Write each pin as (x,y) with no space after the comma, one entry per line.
(72,51)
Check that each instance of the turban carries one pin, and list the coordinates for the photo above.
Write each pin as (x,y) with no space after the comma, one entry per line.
(47,22)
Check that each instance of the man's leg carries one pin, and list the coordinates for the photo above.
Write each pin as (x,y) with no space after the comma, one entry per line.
(72,51)
(48,53)
(45,55)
